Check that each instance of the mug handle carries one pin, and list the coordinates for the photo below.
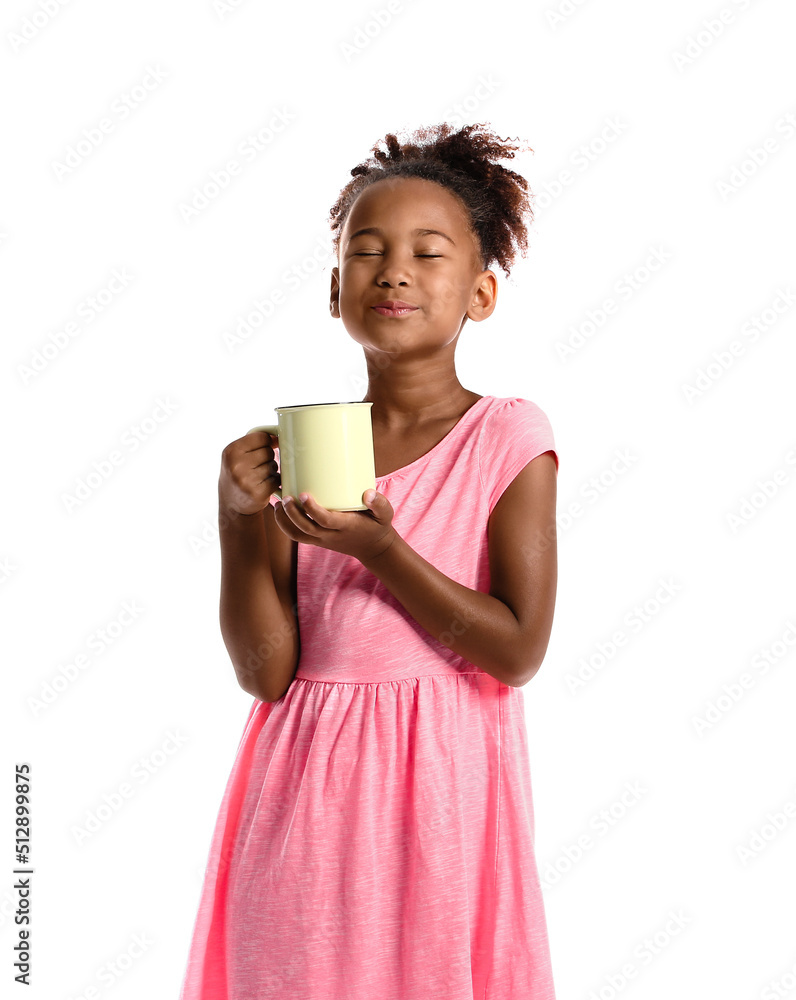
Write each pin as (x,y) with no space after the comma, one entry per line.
(270,429)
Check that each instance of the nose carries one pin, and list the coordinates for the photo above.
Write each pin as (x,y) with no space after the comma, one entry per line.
(394,270)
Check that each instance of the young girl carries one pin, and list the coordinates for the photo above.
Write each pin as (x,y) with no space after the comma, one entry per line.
(376,836)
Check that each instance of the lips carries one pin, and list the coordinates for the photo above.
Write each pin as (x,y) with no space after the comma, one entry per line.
(394,307)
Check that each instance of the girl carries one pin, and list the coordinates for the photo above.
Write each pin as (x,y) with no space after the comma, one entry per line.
(376,836)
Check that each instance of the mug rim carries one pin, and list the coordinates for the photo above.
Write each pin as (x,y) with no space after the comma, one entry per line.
(302,406)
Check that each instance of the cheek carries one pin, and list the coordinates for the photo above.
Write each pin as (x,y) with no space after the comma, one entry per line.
(447,295)
(352,290)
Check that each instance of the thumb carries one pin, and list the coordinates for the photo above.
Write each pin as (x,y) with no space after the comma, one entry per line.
(378,504)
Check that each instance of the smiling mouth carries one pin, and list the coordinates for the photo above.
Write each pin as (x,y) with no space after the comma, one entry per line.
(397,311)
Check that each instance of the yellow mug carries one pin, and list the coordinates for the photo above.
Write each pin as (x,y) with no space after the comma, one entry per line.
(326,450)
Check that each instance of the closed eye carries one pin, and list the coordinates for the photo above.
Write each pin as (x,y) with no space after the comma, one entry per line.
(365,253)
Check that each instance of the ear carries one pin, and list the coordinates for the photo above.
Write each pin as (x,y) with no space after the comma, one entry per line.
(484,297)
(334,295)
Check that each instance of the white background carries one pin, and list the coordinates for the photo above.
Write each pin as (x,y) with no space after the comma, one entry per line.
(651,116)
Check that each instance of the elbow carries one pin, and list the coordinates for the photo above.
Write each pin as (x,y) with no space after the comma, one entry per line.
(274,691)
(256,691)
(251,688)
(260,695)
(253,683)
(524,666)
(520,676)
(267,675)
(514,672)
(528,654)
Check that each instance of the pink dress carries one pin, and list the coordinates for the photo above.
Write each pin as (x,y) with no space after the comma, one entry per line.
(375,840)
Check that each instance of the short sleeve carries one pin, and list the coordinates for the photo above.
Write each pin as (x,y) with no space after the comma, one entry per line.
(512,436)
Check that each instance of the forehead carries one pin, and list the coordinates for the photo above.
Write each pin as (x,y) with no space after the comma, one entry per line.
(407,202)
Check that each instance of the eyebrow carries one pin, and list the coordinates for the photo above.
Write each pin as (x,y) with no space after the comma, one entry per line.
(418,232)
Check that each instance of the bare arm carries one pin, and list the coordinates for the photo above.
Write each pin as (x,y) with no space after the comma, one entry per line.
(258,610)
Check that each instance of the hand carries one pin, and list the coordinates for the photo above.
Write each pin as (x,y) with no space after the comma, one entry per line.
(249,473)
(362,534)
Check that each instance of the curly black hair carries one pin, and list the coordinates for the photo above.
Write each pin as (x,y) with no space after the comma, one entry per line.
(496,199)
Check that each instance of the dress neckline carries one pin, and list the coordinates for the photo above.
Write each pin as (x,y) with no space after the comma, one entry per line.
(457,426)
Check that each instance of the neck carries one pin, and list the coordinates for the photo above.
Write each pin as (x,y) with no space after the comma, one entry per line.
(402,403)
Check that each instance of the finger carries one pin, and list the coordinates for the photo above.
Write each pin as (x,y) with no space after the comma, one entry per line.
(286,523)
(378,506)
(260,430)
(259,439)
(268,470)
(294,512)
(320,515)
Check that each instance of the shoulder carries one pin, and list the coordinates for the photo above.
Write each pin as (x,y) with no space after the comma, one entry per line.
(516,416)
(514,433)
